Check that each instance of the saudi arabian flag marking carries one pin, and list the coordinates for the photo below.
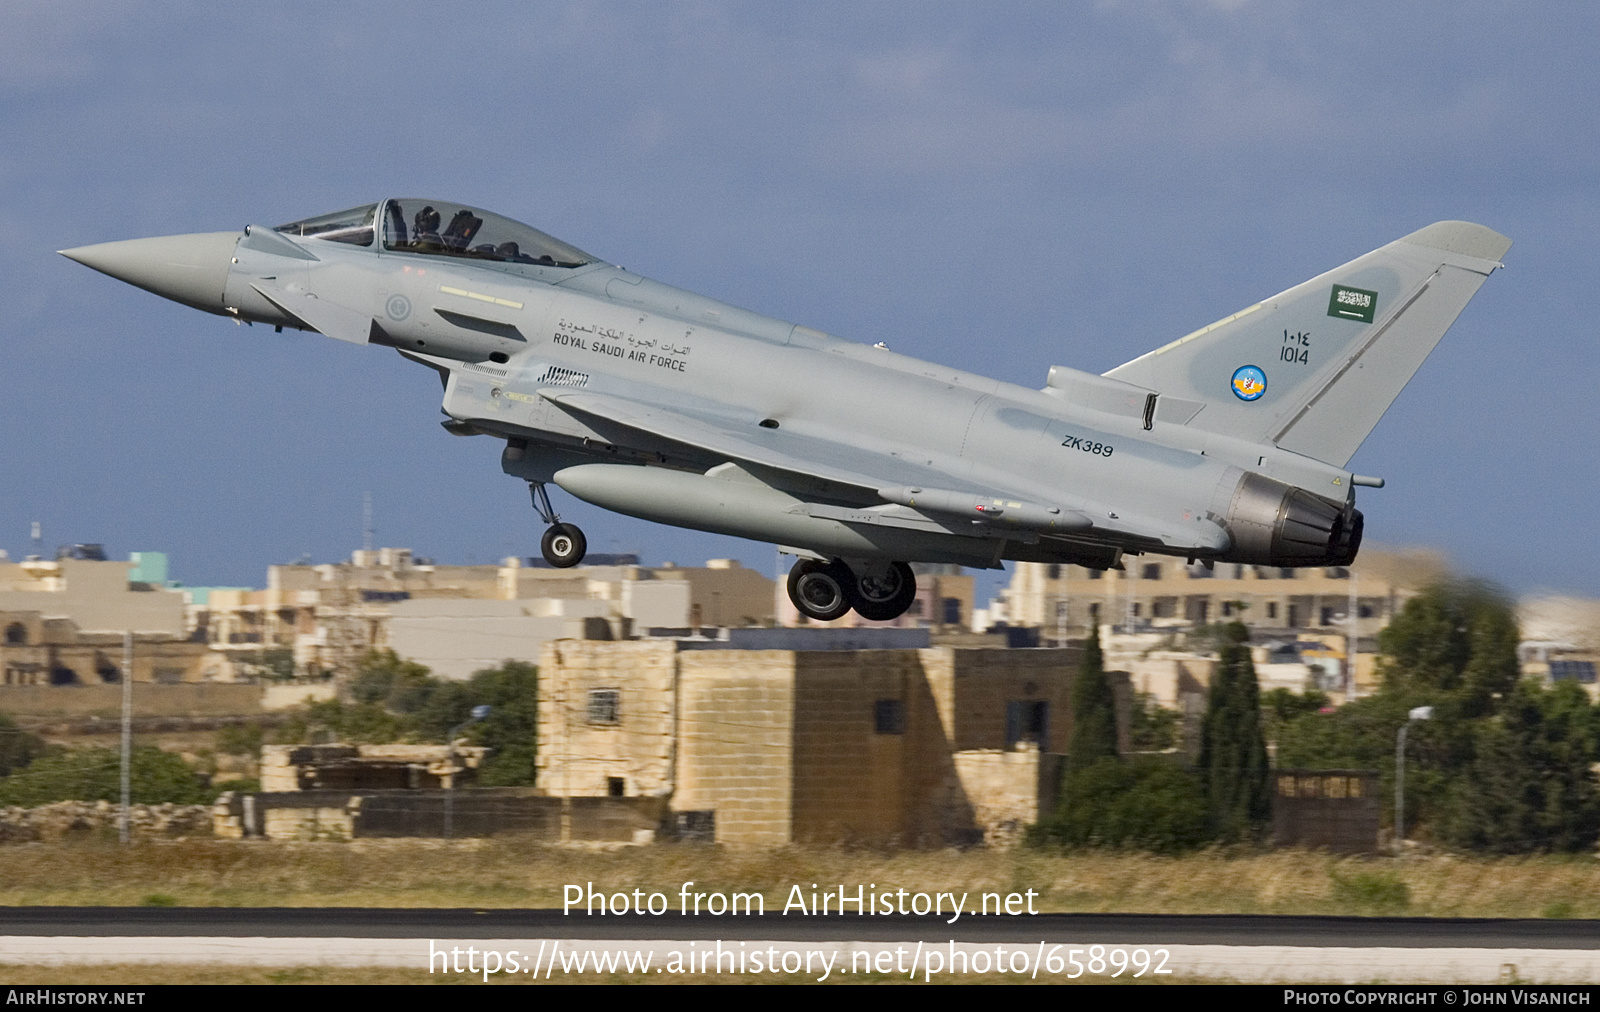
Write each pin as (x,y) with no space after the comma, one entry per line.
(1352,303)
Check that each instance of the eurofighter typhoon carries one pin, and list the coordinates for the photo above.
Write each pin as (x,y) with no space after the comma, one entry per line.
(1228,445)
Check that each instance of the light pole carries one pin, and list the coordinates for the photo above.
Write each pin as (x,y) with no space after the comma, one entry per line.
(478,713)
(125,773)
(1416,714)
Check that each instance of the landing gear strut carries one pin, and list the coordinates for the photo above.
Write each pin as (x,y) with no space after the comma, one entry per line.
(563,545)
(824,591)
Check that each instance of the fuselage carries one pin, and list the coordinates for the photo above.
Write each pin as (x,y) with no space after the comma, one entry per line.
(504,333)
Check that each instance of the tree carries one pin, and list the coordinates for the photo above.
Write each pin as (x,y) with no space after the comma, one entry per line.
(1504,766)
(1149,803)
(1233,755)
(385,677)
(512,728)
(1455,645)
(1529,785)
(398,700)
(1094,710)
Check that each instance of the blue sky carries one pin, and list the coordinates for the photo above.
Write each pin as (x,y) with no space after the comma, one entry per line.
(999,187)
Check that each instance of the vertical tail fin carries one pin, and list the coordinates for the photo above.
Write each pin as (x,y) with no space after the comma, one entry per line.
(1313,369)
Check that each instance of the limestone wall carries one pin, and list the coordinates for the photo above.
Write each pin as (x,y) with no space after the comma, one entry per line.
(581,750)
(53,822)
(149,700)
(736,742)
(1004,790)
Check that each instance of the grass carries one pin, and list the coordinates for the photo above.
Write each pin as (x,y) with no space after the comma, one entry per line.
(1377,892)
(517,873)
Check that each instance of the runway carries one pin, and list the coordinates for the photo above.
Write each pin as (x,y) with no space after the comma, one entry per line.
(1109,929)
(545,944)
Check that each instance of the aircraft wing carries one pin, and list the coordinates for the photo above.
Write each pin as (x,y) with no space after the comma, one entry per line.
(875,475)
(788,451)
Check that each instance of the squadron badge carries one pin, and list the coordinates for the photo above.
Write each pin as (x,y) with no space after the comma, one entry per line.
(1249,383)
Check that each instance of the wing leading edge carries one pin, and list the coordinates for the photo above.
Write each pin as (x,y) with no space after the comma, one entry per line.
(789,452)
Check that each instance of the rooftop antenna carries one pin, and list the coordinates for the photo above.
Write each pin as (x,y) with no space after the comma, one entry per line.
(366,521)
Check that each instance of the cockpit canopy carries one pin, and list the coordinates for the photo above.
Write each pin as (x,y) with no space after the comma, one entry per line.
(353,226)
(437,228)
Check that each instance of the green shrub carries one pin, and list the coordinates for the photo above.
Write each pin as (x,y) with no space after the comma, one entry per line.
(93,774)
(1148,803)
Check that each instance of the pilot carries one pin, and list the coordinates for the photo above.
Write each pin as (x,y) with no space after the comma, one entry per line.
(425,228)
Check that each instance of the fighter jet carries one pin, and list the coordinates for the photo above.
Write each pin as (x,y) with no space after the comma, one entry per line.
(1226,445)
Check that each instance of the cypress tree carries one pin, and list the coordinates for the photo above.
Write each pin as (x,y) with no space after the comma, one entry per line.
(1145,803)
(1233,754)
(1094,710)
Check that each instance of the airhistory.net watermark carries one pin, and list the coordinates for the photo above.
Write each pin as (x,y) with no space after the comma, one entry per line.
(923,960)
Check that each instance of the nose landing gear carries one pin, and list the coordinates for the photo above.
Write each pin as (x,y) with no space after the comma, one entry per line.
(824,591)
(563,545)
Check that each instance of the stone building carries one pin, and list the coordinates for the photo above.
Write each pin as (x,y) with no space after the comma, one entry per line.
(460,619)
(1299,618)
(37,650)
(1561,640)
(936,746)
(287,768)
(1156,592)
(62,622)
(97,596)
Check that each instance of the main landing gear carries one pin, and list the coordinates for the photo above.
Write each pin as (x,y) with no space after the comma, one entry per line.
(878,591)
(563,545)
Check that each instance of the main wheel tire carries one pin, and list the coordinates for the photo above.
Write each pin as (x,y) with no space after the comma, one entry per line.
(881,599)
(818,589)
(563,545)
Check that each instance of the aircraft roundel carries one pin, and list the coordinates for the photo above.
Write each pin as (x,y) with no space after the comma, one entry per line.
(1249,382)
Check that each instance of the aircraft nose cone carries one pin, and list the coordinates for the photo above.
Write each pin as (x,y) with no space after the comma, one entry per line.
(191,269)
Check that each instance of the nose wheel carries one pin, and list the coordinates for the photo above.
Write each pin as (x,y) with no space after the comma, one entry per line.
(824,591)
(563,545)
